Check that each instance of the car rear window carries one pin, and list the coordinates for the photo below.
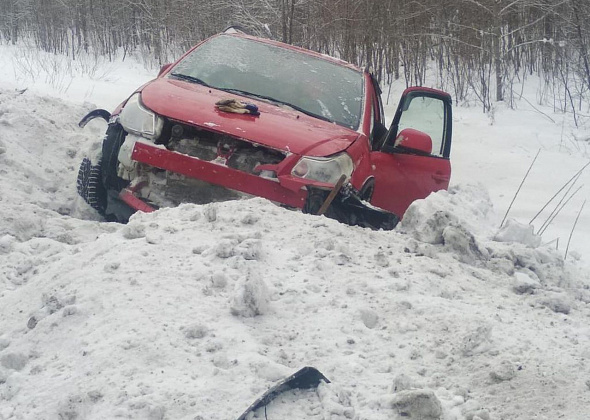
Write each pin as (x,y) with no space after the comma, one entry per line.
(315,86)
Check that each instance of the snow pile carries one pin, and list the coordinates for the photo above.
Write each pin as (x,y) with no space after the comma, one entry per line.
(181,319)
(516,232)
(195,311)
(250,297)
(426,220)
(449,218)
(457,222)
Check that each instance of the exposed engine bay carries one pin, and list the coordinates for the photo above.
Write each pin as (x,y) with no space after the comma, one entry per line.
(160,188)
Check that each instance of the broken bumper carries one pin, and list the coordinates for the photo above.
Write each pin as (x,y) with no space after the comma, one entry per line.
(285,189)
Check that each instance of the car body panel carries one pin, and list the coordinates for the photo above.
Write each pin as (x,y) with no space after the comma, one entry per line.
(403,176)
(280,128)
(400,179)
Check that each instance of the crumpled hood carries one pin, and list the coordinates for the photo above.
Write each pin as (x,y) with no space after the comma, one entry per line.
(277,127)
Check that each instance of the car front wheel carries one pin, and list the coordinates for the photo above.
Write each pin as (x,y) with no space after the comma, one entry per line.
(90,187)
(99,184)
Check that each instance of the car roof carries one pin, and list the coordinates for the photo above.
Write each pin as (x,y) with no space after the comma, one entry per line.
(293,48)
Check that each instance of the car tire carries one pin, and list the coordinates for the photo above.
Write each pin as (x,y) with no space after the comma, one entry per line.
(82,180)
(99,185)
(115,210)
(314,201)
(366,191)
(113,140)
(90,187)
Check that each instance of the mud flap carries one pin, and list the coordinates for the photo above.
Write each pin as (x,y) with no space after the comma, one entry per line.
(305,378)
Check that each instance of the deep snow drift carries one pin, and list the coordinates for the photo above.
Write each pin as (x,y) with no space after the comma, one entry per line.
(193,312)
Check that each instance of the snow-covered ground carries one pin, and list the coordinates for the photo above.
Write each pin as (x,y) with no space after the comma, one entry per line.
(194,312)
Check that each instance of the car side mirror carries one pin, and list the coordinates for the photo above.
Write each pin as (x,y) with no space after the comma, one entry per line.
(413,141)
(164,68)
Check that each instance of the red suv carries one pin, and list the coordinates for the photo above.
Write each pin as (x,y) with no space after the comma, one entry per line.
(239,115)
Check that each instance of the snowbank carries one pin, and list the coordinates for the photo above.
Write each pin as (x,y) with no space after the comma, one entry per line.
(195,311)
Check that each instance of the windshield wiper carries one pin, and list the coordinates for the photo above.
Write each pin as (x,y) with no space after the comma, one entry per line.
(306,112)
(189,78)
(275,101)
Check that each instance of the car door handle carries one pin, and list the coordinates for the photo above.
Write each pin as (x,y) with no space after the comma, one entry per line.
(439,177)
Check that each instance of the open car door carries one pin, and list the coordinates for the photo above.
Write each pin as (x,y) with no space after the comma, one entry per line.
(413,159)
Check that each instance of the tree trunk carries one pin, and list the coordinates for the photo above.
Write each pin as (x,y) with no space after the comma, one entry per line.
(581,44)
(497,53)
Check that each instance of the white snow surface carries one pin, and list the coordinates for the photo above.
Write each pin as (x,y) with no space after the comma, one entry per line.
(194,312)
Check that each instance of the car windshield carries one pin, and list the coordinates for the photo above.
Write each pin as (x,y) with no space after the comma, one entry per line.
(309,84)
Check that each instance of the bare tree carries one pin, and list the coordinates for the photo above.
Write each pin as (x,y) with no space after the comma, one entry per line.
(479,48)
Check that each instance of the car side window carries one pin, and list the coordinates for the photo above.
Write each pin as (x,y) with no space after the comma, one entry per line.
(426,114)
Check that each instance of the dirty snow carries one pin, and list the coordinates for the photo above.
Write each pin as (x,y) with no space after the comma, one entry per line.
(194,312)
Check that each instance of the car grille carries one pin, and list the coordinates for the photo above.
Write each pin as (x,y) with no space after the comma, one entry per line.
(230,151)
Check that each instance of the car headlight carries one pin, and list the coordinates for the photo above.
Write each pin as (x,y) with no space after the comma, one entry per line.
(327,170)
(137,119)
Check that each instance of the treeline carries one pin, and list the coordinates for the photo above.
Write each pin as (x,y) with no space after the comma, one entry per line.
(478,48)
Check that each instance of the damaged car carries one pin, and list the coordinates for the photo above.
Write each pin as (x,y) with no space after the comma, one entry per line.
(242,116)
